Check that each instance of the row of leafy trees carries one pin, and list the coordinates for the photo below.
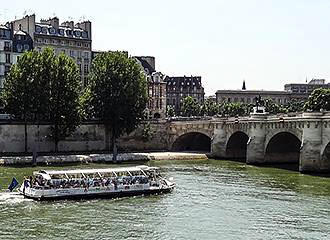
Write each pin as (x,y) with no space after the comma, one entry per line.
(45,87)
(318,100)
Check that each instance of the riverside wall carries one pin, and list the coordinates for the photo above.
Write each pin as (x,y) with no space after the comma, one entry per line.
(89,137)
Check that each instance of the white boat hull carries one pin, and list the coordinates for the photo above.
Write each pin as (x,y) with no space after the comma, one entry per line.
(93,192)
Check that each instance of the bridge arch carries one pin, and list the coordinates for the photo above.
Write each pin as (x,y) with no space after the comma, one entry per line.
(236,146)
(325,157)
(283,147)
(192,141)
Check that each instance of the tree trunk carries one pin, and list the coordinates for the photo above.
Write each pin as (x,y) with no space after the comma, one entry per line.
(107,137)
(114,145)
(56,137)
(25,137)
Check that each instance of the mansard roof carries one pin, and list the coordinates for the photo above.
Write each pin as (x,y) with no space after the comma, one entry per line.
(146,66)
(62,31)
(4,27)
(184,81)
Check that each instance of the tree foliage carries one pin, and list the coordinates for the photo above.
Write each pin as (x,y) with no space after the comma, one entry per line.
(117,93)
(233,109)
(209,108)
(170,112)
(44,87)
(64,102)
(190,107)
(319,99)
(295,105)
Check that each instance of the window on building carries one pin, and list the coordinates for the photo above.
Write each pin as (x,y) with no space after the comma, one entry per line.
(26,47)
(79,67)
(86,69)
(79,54)
(71,53)
(78,44)
(85,81)
(7,69)
(86,55)
(7,46)
(8,58)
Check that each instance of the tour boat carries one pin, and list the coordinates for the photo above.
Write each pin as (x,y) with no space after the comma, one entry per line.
(94,183)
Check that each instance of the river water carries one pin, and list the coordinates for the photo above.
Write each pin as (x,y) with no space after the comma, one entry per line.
(213,200)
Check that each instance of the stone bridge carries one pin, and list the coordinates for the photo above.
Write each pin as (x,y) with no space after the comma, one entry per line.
(303,139)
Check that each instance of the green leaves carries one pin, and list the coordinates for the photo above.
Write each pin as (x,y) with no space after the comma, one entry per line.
(44,87)
(190,107)
(319,99)
(117,93)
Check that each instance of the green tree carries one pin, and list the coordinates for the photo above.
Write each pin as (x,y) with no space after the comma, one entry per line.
(190,107)
(272,107)
(319,99)
(170,112)
(117,94)
(64,102)
(34,86)
(295,105)
(209,108)
(232,109)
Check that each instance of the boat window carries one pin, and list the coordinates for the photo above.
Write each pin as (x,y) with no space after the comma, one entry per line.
(75,175)
(92,175)
(58,176)
(123,173)
(136,173)
(108,174)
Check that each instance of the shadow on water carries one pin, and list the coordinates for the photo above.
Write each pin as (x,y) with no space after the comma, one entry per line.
(285,166)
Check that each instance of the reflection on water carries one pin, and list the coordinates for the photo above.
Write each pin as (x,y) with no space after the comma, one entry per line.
(213,200)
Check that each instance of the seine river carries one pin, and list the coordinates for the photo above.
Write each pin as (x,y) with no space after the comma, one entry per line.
(213,200)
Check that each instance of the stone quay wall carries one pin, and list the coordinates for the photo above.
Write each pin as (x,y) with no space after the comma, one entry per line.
(89,137)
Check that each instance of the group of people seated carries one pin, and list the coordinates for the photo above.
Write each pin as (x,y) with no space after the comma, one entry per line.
(40,182)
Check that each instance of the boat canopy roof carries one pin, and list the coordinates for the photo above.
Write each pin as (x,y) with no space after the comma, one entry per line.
(89,171)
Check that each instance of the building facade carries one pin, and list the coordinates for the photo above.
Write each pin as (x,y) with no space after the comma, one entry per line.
(178,88)
(6,49)
(74,40)
(156,106)
(22,42)
(249,96)
(306,88)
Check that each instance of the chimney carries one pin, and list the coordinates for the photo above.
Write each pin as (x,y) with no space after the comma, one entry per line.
(86,26)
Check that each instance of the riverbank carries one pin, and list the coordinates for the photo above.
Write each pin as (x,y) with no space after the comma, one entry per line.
(101,158)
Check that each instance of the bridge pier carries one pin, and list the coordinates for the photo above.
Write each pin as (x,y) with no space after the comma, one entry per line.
(218,142)
(310,152)
(255,153)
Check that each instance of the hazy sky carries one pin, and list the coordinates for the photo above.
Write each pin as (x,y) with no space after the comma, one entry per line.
(266,42)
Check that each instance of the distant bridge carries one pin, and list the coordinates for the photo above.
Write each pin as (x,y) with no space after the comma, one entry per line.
(259,139)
